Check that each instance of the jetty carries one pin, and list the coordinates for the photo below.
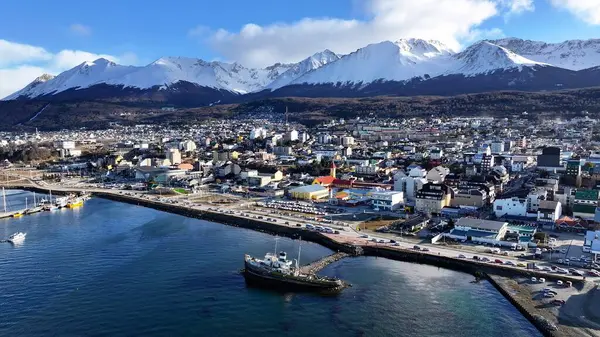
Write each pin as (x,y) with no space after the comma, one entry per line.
(321,263)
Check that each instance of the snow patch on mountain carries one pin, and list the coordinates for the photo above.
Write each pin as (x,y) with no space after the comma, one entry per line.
(397,61)
(485,57)
(314,62)
(571,54)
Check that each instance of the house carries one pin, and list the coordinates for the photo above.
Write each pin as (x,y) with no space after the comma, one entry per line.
(309,192)
(549,211)
(585,203)
(474,197)
(514,207)
(480,231)
(259,180)
(432,197)
(366,170)
(437,174)
(412,224)
(569,224)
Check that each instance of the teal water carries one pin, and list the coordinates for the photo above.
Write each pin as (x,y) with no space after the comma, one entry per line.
(113,269)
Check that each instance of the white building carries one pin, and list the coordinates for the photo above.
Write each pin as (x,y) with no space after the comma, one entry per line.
(367,169)
(324,138)
(511,207)
(549,211)
(187,146)
(410,184)
(67,144)
(258,133)
(437,174)
(304,137)
(436,154)
(347,140)
(174,156)
(291,136)
(387,200)
(497,147)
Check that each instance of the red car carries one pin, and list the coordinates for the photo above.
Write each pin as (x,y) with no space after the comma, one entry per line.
(498,261)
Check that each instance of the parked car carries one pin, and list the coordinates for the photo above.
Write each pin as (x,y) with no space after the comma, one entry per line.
(417,248)
(485,259)
(461,256)
(509,263)
(498,261)
(425,249)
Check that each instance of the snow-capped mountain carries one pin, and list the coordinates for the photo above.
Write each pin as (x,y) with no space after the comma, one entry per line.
(391,61)
(485,57)
(82,76)
(163,73)
(571,54)
(403,67)
(309,64)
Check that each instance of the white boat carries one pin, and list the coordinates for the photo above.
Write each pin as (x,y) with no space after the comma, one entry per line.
(17,237)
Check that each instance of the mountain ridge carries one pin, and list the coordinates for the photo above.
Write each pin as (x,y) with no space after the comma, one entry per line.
(403,67)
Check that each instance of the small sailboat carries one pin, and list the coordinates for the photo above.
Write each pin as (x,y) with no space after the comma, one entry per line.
(36,208)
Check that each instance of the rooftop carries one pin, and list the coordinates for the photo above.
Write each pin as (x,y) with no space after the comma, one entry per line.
(481,224)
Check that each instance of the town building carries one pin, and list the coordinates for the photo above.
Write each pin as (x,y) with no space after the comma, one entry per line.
(550,159)
(309,192)
(432,197)
(174,156)
(386,200)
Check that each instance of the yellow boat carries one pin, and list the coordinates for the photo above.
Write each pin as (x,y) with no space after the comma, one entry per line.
(17,215)
(76,203)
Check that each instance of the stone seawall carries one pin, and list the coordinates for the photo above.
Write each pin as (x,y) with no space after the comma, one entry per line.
(536,320)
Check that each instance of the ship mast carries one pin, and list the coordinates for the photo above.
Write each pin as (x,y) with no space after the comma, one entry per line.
(4,199)
(298,259)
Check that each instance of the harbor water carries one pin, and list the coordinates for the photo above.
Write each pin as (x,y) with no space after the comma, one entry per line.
(114,269)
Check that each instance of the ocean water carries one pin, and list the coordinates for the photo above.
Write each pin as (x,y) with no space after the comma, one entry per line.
(113,269)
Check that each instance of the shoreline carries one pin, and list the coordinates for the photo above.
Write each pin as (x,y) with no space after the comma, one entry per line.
(491,272)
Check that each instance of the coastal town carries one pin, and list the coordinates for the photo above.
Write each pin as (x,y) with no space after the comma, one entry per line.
(506,193)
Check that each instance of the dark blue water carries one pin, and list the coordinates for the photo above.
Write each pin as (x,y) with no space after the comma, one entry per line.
(112,269)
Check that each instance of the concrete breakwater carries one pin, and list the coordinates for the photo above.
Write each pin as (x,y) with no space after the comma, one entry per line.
(318,265)
(540,322)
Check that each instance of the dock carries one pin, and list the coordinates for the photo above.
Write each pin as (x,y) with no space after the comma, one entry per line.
(10,214)
(318,265)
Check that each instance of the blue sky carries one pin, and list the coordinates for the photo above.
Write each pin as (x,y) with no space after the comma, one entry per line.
(52,36)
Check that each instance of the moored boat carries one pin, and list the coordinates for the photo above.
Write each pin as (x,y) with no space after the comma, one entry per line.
(77,202)
(278,271)
(17,237)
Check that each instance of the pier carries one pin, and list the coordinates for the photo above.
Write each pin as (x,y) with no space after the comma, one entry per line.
(318,265)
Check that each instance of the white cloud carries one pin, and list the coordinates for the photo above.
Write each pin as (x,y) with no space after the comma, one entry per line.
(484,34)
(586,10)
(14,53)
(81,30)
(517,6)
(449,21)
(66,59)
(20,63)
(14,79)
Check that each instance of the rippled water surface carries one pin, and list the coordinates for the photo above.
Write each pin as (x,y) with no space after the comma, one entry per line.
(113,269)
